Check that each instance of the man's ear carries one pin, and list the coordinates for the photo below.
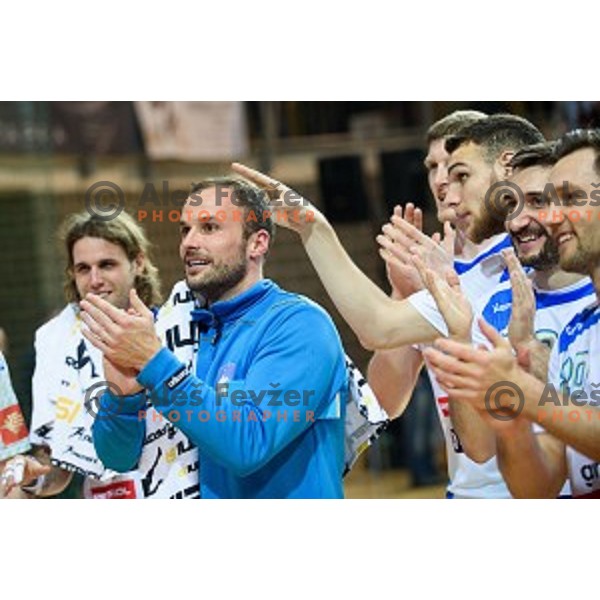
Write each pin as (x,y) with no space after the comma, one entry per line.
(502,167)
(258,244)
(139,263)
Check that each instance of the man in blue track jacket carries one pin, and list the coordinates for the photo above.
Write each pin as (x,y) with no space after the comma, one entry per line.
(264,390)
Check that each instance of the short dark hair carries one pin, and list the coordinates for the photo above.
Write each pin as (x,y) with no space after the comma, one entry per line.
(496,134)
(254,200)
(452,124)
(577,140)
(538,155)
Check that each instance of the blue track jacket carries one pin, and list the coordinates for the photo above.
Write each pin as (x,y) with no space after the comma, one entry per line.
(265,406)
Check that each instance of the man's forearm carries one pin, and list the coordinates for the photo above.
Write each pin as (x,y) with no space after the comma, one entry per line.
(476,437)
(576,426)
(532,467)
(393,375)
(378,321)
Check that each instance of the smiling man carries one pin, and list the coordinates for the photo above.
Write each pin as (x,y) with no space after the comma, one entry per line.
(482,150)
(106,259)
(260,383)
(534,461)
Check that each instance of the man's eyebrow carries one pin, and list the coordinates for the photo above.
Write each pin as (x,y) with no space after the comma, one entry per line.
(534,194)
(211,219)
(455,166)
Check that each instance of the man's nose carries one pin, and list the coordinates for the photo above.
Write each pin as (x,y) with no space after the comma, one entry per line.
(441,177)
(95,277)
(453,197)
(191,240)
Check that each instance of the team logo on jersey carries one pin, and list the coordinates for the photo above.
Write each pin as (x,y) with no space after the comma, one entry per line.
(82,359)
(226,373)
(12,425)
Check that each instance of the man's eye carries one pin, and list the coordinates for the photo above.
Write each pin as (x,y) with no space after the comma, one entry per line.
(538,202)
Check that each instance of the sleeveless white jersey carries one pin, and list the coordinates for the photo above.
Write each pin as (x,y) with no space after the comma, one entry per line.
(553,310)
(478,277)
(574,365)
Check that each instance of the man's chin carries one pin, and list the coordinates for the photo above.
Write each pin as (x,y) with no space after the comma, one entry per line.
(195,283)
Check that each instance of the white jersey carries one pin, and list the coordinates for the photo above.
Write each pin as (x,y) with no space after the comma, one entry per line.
(67,370)
(553,310)
(574,366)
(478,276)
(13,432)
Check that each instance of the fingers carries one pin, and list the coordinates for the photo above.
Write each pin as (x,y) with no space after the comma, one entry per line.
(395,235)
(96,341)
(453,280)
(103,312)
(418,219)
(461,351)
(411,231)
(13,474)
(524,358)
(517,274)
(255,176)
(431,281)
(274,188)
(453,372)
(424,274)
(494,336)
(518,277)
(449,240)
(98,332)
(140,308)
(394,249)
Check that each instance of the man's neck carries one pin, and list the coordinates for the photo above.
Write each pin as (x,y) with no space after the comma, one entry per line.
(555,279)
(250,280)
(466,250)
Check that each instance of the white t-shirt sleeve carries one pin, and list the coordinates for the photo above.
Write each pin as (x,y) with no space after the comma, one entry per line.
(424,303)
